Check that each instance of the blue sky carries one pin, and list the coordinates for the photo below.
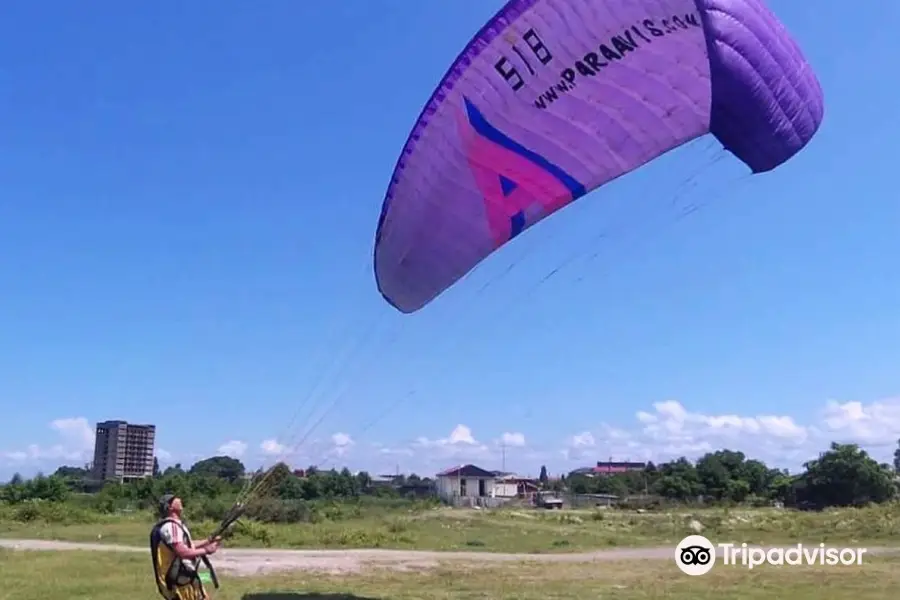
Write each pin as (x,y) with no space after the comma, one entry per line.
(190,194)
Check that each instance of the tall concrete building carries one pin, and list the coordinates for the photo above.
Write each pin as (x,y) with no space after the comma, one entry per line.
(123,451)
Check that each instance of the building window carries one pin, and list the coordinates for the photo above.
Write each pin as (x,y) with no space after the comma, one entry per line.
(462,487)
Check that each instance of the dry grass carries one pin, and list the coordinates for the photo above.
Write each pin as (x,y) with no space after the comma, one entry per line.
(102,576)
(512,530)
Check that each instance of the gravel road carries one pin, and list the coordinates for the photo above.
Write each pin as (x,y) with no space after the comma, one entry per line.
(243,561)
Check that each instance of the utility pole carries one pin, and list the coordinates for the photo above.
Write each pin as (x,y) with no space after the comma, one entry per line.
(503,454)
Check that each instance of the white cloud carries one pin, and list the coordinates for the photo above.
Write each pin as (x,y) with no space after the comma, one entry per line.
(341,440)
(513,439)
(877,423)
(233,448)
(461,435)
(670,430)
(676,430)
(579,446)
(341,444)
(460,445)
(391,451)
(75,444)
(320,452)
(76,432)
(271,447)
(585,439)
(662,431)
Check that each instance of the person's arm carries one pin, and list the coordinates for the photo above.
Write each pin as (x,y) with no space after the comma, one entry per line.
(175,536)
(187,553)
(203,543)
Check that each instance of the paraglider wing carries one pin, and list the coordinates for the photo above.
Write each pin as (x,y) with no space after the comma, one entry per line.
(553,98)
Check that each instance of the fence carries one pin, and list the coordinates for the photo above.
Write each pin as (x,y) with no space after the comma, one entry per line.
(576,501)
(476,502)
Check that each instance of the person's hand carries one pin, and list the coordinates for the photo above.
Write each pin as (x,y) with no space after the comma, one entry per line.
(212,547)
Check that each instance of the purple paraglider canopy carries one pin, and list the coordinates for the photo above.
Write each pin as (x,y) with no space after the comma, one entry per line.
(554,98)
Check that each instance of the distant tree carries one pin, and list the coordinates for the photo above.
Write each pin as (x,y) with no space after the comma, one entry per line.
(728,475)
(783,488)
(50,489)
(579,484)
(678,480)
(67,472)
(223,467)
(759,477)
(173,471)
(897,458)
(363,481)
(846,476)
(715,476)
(14,491)
(275,478)
(76,479)
(543,477)
(156,472)
(616,485)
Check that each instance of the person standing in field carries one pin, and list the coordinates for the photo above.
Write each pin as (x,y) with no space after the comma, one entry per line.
(175,553)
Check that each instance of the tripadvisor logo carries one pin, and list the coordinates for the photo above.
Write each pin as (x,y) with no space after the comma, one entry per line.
(696,555)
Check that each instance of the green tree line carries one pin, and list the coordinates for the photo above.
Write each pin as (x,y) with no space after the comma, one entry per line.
(845,475)
(211,486)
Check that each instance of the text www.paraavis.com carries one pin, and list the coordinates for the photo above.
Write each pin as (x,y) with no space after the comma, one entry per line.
(616,48)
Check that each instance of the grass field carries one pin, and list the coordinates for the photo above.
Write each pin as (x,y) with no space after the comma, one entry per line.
(108,576)
(510,530)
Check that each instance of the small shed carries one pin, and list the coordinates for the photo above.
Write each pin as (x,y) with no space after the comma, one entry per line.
(513,486)
(466,481)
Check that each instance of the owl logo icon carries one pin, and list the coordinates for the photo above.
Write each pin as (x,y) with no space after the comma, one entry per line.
(695,555)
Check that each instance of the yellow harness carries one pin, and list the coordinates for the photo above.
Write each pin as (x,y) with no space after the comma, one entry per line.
(175,579)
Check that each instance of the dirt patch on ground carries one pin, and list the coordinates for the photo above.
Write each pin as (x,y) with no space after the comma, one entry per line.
(242,561)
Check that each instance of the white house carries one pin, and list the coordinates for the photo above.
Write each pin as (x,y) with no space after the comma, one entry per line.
(466,481)
(505,487)
(510,485)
